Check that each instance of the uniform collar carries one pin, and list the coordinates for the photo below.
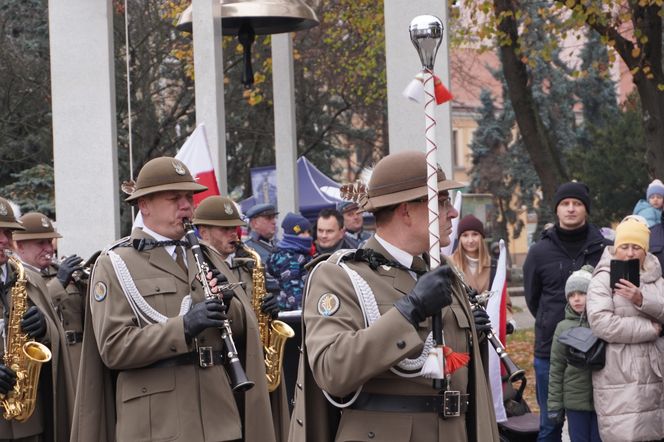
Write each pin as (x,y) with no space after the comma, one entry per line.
(169,249)
(401,256)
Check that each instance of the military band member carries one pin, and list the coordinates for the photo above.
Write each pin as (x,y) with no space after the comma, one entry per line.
(348,352)
(52,416)
(152,327)
(35,247)
(217,219)
(263,224)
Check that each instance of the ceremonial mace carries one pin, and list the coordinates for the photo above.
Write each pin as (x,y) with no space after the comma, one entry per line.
(426,33)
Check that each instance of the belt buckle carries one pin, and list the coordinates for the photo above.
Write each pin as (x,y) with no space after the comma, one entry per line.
(451,404)
(205,357)
(70,337)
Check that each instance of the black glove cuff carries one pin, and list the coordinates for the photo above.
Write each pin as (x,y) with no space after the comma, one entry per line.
(409,311)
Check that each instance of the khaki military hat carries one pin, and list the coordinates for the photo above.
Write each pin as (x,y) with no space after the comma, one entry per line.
(7,218)
(217,211)
(37,226)
(160,174)
(401,177)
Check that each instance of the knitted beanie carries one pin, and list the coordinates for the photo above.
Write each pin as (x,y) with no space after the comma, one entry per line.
(469,222)
(655,188)
(574,190)
(632,231)
(294,224)
(578,281)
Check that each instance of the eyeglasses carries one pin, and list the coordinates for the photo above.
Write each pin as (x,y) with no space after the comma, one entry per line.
(443,201)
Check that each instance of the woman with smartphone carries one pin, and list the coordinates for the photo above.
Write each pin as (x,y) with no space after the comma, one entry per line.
(626,309)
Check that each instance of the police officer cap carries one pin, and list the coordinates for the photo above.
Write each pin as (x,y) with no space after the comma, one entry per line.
(160,174)
(345,206)
(261,209)
(7,218)
(217,211)
(37,226)
(401,177)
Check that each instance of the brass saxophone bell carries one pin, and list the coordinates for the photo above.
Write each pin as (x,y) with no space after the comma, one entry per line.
(248,18)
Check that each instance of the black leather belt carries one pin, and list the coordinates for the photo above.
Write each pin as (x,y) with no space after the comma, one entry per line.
(406,404)
(203,359)
(73,337)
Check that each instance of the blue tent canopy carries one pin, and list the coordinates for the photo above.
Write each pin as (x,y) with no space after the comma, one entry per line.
(310,181)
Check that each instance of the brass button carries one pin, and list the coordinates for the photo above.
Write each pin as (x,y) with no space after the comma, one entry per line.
(144,390)
(157,289)
(173,348)
(371,434)
(299,386)
(299,422)
(401,344)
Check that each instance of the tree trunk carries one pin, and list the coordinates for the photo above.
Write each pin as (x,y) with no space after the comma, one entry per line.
(541,149)
(652,103)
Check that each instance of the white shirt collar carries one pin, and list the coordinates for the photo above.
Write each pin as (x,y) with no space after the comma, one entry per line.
(169,249)
(404,258)
(4,271)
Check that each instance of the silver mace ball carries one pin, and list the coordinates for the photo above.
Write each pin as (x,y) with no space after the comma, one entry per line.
(426,33)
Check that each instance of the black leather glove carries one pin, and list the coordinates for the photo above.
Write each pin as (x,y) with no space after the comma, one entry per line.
(207,314)
(33,323)
(226,294)
(432,292)
(67,268)
(7,379)
(482,321)
(270,305)
(557,416)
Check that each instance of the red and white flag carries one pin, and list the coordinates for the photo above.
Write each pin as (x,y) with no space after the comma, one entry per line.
(195,154)
(497,310)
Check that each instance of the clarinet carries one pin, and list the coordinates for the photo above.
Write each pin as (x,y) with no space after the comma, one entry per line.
(514,373)
(238,377)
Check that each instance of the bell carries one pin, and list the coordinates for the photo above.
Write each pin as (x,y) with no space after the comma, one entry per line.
(248,18)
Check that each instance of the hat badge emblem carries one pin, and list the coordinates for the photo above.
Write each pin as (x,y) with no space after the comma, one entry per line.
(179,168)
(228,209)
(3,210)
(45,223)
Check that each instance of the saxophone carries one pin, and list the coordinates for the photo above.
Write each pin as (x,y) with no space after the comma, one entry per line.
(22,355)
(273,333)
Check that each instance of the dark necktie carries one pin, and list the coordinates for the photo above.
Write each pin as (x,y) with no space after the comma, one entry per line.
(179,259)
(419,266)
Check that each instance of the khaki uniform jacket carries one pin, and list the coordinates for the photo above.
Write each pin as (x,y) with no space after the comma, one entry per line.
(68,304)
(174,403)
(55,398)
(241,272)
(344,355)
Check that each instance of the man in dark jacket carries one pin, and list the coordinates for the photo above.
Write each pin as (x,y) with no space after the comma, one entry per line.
(571,243)
(657,241)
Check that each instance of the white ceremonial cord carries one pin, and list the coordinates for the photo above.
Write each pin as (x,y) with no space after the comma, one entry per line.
(142,310)
(371,313)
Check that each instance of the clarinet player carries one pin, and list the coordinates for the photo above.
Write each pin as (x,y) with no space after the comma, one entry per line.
(155,332)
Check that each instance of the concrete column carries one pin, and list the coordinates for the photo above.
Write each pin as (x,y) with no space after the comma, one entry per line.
(84,131)
(405,117)
(285,132)
(209,84)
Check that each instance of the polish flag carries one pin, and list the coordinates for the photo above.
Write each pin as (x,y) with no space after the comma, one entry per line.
(195,154)
(497,310)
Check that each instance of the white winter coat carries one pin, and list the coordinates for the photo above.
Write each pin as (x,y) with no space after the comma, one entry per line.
(629,390)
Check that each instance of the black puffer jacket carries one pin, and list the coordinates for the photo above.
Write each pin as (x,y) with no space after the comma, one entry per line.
(547,267)
(657,242)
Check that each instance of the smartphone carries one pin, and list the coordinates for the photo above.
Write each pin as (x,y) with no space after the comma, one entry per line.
(628,270)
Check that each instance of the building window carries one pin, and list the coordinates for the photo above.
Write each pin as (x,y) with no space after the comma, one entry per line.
(456,158)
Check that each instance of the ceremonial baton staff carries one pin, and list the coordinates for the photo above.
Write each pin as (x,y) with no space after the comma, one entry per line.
(426,33)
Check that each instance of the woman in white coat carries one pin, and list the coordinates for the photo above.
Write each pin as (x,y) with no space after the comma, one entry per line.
(629,391)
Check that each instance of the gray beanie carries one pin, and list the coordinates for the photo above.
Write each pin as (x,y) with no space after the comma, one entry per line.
(579,280)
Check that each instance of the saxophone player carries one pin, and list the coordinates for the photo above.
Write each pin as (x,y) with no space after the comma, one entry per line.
(51,417)
(36,249)
(152,354)
(217,219)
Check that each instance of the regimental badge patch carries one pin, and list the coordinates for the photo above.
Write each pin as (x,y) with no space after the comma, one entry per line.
(328,304)
(3,210)
(100,291)
(44,222)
